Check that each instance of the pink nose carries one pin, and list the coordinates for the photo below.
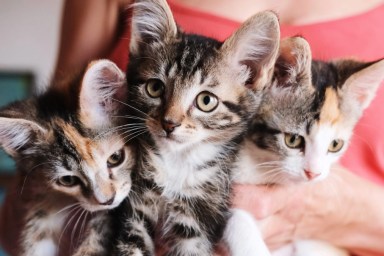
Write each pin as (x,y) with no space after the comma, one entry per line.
(311,175)
(169,125)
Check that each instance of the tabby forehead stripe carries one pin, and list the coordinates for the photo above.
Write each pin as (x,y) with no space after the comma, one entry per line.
(67,146)
(234,108)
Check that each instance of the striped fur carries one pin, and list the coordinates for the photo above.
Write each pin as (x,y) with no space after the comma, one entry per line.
(182,183)
(62,145)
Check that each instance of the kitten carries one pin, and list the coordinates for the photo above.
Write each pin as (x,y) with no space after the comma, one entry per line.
(69,160)
(195,97)
(305,121)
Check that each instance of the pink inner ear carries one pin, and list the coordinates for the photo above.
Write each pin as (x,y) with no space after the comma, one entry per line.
(108,74)
(111,76)
(281,72)
(103,82)
(293,61)
(365,83)
(288,56)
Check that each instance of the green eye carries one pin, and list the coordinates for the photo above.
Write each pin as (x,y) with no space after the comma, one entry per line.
(294,140)
(116,158)
(335,146)
(155,88)
(206,101)
(68,181)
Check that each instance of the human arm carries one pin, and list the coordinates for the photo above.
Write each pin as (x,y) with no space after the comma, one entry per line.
(344,210)
(89,30)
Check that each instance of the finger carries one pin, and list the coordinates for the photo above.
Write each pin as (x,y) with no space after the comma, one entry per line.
(262,201)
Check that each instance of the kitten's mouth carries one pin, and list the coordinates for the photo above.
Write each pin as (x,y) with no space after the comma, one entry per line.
(165,137)
(96,208)
(170,138)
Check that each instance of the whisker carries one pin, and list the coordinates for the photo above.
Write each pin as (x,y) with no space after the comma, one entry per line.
(109,131)
(131,117)
(83,224)
(271,175)
(134,129)
(134,136)
(128,105)
(119,128)
(134,132)
(29,172)
(66,208)
(78,209)
(75,227)
(269,163)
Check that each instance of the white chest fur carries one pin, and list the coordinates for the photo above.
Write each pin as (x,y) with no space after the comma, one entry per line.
(181,172)
(249,167)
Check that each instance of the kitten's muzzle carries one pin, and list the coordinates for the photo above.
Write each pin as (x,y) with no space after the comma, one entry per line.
(110,201)
(311,175)
(104,201)
(169,125)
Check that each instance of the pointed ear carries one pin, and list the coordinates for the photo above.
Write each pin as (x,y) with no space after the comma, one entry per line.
(254,47)
(17,133)
(102,94)
(293,66)
(152,21)
(363,84)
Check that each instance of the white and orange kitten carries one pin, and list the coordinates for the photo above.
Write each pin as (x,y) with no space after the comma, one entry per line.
(303,126)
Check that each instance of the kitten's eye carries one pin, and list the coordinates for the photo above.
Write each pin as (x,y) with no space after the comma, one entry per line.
(336,146)
(206,101)
(294,140)
(69,181)
(116,158)
(155,88)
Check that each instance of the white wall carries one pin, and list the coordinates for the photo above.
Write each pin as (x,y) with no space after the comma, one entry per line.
(29,33)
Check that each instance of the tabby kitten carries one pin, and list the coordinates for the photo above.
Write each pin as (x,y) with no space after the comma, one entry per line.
(69,160)
(195,97)
(305,121)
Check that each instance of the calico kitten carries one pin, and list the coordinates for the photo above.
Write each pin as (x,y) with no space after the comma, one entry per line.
(306,117)
(195,97)
(305,121)
(69,160)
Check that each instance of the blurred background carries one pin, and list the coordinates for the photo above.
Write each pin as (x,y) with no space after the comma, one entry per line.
(29,36)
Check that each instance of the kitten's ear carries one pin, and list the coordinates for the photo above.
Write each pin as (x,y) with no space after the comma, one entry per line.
(152,21)
(17,133)
(293,66)
(255,46)
(102,94)
(363,84)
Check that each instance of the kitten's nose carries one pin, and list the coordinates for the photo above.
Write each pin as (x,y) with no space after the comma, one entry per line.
(109,201)
(102,200)
(311,175)
(169,125)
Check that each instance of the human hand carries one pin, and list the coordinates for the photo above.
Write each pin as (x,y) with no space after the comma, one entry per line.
(339,210)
